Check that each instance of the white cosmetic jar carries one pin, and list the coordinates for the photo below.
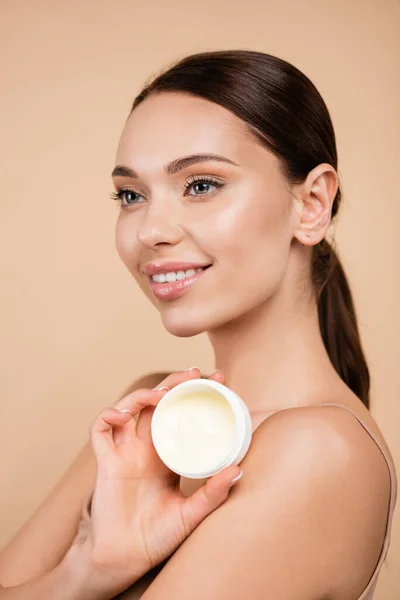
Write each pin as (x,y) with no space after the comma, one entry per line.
(200,427)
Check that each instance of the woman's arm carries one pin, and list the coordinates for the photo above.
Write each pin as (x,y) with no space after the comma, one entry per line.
(67,581)
(39,546)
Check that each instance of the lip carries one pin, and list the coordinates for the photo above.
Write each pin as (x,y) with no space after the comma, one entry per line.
(156,267)
(175,289)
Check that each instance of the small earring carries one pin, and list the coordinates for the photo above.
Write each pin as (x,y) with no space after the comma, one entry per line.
(308,234)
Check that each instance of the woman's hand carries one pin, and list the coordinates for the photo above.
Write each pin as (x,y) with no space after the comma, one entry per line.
(139,516)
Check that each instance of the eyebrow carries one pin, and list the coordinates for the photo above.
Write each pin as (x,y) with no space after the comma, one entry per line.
(175,165)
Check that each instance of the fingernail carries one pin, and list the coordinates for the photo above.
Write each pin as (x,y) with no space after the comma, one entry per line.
(125,410)
(235,479)
(192,368)
(216,371)
(158,389)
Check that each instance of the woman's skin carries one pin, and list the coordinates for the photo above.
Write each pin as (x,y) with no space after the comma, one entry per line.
(315,489)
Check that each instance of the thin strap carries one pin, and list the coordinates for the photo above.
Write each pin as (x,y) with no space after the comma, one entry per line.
(392,502)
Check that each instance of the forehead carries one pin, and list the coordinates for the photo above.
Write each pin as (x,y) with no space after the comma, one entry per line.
(168,125)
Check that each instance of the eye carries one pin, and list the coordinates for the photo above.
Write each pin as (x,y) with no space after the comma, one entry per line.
(125,197)
(201,185)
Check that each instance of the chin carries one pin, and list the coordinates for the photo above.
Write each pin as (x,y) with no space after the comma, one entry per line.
(184,323)
(181,327)
(188,321)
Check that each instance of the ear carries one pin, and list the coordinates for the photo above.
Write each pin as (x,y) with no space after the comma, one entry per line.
(316,195)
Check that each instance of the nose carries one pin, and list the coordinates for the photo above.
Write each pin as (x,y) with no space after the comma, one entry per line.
(159,225)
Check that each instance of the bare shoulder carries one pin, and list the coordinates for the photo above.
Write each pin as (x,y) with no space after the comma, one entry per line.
(330,436)
(326,447)
(336,432)
(312,502)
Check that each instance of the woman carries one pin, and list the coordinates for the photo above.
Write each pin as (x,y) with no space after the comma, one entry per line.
(227,166)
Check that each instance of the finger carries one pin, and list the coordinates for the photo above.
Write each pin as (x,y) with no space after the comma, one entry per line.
(139,399)
(101,430)
(209,497)
(136,402)
(143,426)
(175,378)
(218,376)
(125,432)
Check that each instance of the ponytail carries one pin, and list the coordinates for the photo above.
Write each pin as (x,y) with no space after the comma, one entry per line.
(338,321)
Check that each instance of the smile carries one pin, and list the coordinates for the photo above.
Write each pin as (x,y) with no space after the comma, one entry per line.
(175,275)
(171,285)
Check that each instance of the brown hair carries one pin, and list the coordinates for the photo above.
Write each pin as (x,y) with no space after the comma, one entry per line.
(283,109)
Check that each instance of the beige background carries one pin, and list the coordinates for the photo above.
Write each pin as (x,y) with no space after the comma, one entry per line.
(74,328)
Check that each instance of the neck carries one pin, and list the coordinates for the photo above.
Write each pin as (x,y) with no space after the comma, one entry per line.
(274,356)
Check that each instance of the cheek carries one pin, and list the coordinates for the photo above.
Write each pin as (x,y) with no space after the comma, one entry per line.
(251,232)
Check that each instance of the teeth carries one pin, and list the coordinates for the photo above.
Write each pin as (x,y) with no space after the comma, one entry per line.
(174,276)
(160,278)
(171,277)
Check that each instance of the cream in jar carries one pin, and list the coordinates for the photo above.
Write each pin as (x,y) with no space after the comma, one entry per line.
(200,427)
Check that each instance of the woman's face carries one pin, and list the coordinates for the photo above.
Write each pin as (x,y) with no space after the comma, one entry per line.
(241,223)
